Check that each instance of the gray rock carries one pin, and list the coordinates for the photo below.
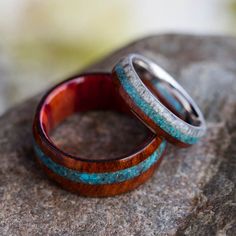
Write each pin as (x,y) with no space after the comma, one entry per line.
(193,192)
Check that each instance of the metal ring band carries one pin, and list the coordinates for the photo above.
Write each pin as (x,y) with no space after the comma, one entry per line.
(90,177)
(158,100)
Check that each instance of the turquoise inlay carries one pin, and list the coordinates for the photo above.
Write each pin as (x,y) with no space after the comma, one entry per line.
(148,110)
(101,178)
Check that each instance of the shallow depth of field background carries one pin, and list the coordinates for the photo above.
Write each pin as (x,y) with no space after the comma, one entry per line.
(42,42)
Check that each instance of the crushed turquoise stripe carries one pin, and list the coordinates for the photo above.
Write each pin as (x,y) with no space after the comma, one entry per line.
(101,178)
(148,110)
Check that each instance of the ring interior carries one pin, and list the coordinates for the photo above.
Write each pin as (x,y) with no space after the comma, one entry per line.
(82,94)
(166,91)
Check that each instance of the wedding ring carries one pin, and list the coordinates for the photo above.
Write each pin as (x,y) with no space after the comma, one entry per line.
(90,177)
(158,100)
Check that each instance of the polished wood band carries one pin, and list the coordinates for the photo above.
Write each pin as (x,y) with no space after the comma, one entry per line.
(104,190)
(90,177)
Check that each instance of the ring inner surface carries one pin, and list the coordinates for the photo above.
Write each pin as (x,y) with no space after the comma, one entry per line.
(166,92)
(85,117)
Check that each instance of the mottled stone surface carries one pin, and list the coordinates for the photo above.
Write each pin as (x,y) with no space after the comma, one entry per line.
(193,193)
(90,134)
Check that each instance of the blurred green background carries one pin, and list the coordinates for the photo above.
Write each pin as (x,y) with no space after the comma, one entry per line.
(42,42)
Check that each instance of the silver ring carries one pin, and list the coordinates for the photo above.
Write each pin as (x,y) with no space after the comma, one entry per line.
(159,100)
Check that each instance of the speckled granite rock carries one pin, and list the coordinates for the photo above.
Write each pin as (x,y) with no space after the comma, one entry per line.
(193,193)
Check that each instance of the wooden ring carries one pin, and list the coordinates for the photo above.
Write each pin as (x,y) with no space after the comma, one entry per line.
(85,176)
